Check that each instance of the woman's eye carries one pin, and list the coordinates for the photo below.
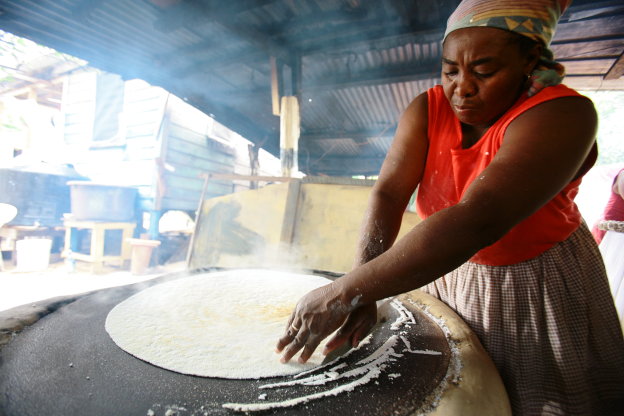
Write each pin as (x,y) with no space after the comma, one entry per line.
(484,74)
(450,73)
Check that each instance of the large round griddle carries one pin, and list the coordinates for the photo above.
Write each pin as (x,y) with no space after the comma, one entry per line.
(66,364)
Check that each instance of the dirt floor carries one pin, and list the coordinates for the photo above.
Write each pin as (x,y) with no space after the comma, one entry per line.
(20,288)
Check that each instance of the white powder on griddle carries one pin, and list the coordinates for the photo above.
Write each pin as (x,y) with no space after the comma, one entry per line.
(367,369)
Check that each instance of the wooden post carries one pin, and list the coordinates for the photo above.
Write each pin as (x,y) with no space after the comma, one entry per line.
(290,130)
(290,213)
(275,90)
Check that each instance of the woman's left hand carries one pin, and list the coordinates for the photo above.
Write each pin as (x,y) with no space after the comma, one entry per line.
(317,314)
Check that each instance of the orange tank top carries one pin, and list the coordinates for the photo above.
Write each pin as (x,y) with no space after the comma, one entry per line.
(450,170)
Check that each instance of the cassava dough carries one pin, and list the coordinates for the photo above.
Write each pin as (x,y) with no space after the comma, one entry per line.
(223,324)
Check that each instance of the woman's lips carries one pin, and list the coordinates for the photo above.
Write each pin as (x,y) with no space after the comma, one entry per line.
(465,109)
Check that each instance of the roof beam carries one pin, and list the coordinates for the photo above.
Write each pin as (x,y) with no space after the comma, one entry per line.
(184,14)
(617,70)
(402,73)
(353,134)
(596,48)
(398,73)
(341,166)
(351,37)
(592,10)
(599,28)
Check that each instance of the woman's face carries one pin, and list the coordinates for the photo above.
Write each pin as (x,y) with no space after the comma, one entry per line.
(483,73)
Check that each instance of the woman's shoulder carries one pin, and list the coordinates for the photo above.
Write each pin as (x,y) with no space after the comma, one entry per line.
(553,100)
(553,93)
(561,116)
(417,110)
(553,105)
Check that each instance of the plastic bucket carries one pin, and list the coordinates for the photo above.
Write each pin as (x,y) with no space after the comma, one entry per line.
(33,254)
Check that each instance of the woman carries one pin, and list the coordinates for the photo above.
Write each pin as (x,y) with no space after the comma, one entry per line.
(498,162)
(614,209)
(610,236)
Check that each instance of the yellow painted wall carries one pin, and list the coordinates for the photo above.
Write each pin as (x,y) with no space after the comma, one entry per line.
(327,220)
(236,230)
(328,225)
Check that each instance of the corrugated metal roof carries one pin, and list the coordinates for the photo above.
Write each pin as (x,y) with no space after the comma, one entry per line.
(362,61)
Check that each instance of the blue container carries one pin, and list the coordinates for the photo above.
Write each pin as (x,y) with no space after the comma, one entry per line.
(92,201)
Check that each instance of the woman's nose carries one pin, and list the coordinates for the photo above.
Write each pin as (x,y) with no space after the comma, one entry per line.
(465,86)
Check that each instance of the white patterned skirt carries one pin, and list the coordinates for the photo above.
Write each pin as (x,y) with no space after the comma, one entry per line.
(612,249)
(550,326)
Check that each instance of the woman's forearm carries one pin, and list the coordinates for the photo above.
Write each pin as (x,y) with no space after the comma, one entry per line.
(433,248)
(380,227)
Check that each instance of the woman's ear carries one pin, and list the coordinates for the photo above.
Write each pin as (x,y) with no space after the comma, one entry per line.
(533,57)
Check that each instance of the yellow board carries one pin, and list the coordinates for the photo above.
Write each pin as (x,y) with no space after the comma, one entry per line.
(296,225)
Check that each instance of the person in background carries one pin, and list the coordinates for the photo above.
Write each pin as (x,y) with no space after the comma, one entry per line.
(497,152)
(609,233)
(614,210)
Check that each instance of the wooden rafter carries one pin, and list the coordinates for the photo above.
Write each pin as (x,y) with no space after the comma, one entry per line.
(617,70)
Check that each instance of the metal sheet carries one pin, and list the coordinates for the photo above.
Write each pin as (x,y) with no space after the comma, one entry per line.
(66,364)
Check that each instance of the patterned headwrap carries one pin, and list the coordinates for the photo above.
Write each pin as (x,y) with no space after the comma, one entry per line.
(535,19)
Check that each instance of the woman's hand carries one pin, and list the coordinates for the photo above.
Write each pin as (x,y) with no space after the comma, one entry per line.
(317,315)
(358,325)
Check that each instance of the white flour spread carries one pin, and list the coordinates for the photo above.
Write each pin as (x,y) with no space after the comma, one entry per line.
(364,371)
(226,324)
(222,324)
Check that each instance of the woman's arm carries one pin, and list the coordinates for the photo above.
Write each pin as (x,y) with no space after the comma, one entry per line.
(400,174)
(541,153)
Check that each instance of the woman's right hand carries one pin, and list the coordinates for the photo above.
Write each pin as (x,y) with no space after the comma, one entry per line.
(358,324)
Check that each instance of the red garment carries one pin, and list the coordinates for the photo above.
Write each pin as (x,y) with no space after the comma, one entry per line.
(450,170)
(614,211)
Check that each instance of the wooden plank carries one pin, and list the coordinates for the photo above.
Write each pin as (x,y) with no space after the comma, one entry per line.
(194,234)
(137,116)
(290,214)
(275,93)
(201,138)
(225,177)
(205,151)
(376,76)
(176,157)
(601,27)
(188,171)
(588,66)
(617,70)
(181,205)
(186,184)
(589,49)
(594,83)
(140,130)
(340,166)
(193,195)
(147,96)
(144,141)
